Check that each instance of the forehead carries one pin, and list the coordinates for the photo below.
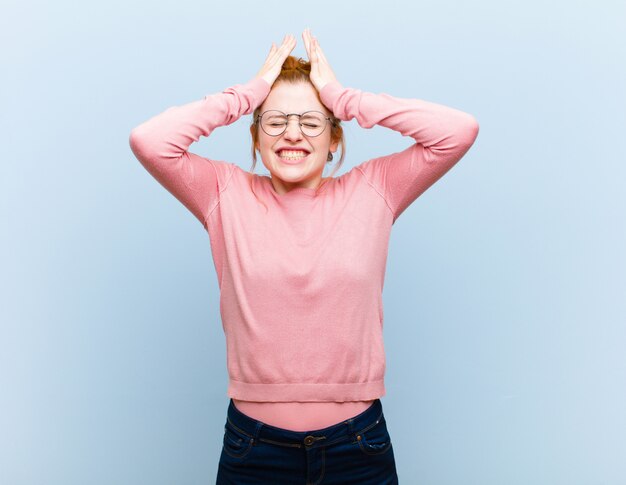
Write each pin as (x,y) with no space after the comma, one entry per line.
(293,98)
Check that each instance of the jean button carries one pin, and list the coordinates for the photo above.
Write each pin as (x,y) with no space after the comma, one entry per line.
(309,440)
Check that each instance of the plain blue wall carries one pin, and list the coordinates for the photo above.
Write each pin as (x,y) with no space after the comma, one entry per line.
(505,288)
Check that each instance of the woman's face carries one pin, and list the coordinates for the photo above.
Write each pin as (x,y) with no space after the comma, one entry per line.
(287,174)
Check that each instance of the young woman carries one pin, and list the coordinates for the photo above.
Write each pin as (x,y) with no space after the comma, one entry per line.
(300,259)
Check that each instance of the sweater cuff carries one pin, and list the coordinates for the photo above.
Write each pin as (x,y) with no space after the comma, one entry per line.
(329,95)
(259,88)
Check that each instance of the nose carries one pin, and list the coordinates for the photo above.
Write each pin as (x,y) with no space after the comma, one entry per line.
(293,131)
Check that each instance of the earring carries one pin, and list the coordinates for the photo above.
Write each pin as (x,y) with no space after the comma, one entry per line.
(329,158)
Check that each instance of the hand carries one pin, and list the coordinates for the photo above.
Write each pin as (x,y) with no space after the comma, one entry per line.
(321,73)
(275,59)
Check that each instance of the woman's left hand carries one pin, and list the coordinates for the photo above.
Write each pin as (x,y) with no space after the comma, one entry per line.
(321,73)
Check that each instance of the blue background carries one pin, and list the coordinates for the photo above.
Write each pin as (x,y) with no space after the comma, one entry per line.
(505,296)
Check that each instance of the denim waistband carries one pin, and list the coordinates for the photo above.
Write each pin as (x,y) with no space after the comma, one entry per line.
(348,429)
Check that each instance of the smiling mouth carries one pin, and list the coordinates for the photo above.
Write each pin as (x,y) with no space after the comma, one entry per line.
(292,155)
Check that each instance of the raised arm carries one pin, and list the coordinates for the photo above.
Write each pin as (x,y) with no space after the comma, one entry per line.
(442,136)
(161,144)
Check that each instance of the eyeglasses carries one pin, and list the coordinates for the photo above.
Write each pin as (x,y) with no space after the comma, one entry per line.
(274,122)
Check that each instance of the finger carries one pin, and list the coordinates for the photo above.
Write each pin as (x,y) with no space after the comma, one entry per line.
(313,58)
(282,44)
(318,49)
(289,39)
(287,45)
(306,43)
(307,46)
(283,51)
(314,52)
(320,52)
(309,38)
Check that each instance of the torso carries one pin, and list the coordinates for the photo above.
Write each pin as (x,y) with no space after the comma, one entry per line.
(301,416)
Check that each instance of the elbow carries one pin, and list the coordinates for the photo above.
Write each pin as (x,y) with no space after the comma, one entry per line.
(137,143)
(134,141)
(470,131)
(135,136)
(475,126)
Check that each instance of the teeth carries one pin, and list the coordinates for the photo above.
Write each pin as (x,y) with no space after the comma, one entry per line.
(292,154)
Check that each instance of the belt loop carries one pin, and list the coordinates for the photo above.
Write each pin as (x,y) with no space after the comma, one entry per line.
(257,431)
(350,424)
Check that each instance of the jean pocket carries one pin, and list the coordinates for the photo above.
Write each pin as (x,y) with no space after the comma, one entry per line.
(237,443)
(375,439)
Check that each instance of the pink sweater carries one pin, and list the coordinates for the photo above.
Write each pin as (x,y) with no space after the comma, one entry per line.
(301,274)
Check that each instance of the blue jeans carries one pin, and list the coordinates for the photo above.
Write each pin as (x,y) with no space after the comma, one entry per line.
(355,451)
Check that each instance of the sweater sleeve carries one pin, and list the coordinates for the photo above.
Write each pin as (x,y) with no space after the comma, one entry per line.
(442,136)
(161,144)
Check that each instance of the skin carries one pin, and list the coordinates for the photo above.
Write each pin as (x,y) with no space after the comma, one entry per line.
(296,98)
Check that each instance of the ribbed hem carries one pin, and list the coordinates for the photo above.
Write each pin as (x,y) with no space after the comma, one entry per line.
(330,93)
(316,392)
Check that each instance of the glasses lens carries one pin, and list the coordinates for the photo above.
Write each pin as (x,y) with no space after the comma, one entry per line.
(312,123)
(274,123)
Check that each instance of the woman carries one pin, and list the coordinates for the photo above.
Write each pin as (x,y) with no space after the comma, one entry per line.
(300,260)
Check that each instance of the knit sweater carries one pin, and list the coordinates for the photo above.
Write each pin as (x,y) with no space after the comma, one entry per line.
(301,274)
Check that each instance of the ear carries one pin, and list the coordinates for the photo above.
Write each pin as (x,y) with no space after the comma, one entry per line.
(334,146)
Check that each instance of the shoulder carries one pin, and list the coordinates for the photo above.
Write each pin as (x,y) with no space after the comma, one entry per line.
(245,180)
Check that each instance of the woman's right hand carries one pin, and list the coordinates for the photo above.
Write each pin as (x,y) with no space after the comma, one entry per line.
(275,59)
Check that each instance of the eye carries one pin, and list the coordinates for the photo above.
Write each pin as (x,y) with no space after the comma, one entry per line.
(313,119)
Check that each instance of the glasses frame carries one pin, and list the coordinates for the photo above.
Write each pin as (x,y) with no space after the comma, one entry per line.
(260,116)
